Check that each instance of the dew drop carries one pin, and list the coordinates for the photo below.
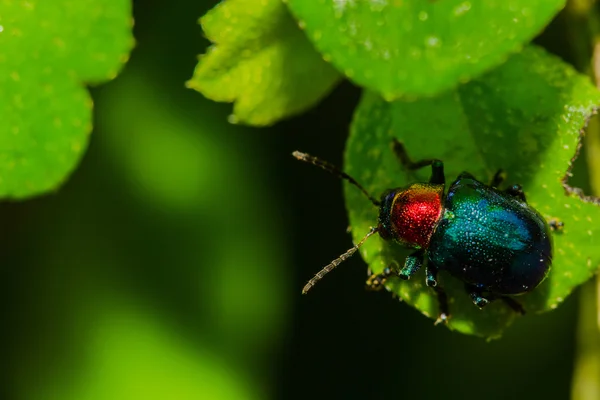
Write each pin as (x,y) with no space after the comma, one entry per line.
(415,52)
(432,41)
(341,5)
(462,8)
(423,16)
(233,119)
(378,5)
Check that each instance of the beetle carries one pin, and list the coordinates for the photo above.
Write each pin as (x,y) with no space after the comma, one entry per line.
(490,239)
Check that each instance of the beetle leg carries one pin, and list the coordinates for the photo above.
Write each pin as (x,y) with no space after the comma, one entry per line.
(478,299)
(556,225)
(431,275)
(444,312)
(437,173)
(515,305)
(375,281)
(405,160)
(431,280)
(498,178)
(437,166)
(481,301)
(412,264)
(516,191)
(465,174)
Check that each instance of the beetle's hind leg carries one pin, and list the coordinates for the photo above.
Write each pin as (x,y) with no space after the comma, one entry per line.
(499,177)
(556,225)
(512,303)
(478,298)
(481,300)
(516,191)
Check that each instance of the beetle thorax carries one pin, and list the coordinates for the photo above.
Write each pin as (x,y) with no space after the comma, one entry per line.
(410,216)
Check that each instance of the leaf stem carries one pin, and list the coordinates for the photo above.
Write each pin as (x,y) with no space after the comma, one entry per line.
(583,24)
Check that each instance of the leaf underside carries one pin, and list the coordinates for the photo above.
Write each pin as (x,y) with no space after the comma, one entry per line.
(524,117)
(261,61)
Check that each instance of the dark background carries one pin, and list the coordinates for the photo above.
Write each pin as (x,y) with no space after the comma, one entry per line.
(170,265)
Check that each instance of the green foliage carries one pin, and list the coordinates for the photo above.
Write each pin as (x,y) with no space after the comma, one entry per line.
(420,47)
(455,80)
(524,117)
(50,49)
(261,61)
(138,286)
(131,355)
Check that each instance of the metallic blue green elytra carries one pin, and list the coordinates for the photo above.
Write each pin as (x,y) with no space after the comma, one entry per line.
(490,240)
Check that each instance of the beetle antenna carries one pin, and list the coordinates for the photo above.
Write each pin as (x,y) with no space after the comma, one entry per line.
(332,169)
(329,267)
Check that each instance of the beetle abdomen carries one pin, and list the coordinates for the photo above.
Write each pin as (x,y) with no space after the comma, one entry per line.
(491,240)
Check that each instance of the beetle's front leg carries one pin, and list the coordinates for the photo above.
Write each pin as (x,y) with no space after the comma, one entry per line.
(376,281)
(437,166)
(411,265)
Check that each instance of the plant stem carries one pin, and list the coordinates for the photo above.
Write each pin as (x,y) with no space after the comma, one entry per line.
(583,24)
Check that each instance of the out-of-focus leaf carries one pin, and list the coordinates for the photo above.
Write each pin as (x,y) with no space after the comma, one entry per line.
(132,355)
(143,293)
(177,167)
(50,49)
(525,118)
(420,47)
(261,61)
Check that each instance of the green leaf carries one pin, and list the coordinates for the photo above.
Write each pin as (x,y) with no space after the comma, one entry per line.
(525,118)
(132,354)
(261,61)
(420,47)
(50,49)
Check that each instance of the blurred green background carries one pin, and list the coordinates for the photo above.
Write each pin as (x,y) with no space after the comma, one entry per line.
(170,265)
